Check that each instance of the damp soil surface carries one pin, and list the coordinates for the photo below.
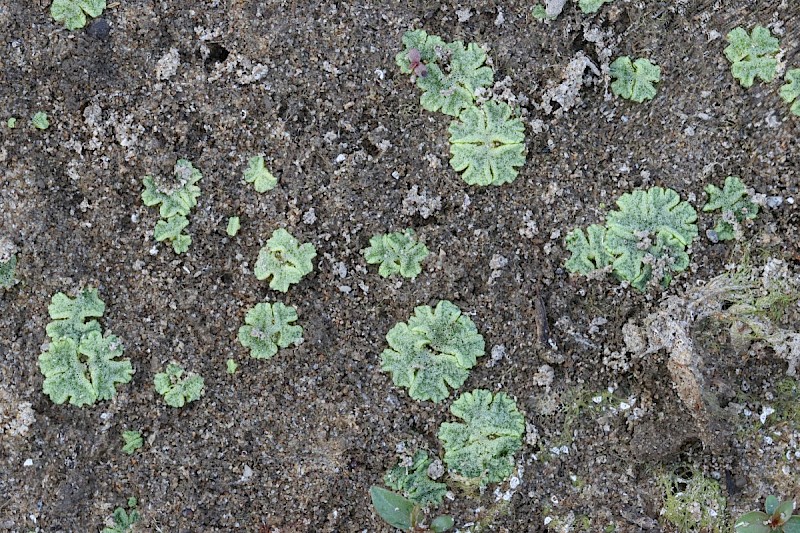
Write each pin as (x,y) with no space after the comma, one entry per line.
(293,444)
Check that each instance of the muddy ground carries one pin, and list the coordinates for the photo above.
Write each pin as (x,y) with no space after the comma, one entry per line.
(294,443)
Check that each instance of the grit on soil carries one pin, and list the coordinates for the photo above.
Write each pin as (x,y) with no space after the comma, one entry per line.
(294,443)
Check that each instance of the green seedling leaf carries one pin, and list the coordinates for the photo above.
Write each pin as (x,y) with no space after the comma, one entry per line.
(734,202)
(591,6)
(285,260)
(429,47)
(170,230)
(267,328)
(752,522)
(770,504)
(133,441)
(176,389)
(11,123)
(442,523)
(69,315)
(7,271)
(487,144)
(650,227)
(122,521)
(231,366)
(791,91)
(450,88)
(436,348)
(415,483)
(177,194)
(588,250)
(72,13)
(40,121)
(482,448)
(233,226)
(792,525)
(394,509)
(634,80)
(397,253)
(752,56)
(104,371)
(257,174)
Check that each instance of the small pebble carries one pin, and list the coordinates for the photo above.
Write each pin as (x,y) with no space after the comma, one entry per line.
(99,29)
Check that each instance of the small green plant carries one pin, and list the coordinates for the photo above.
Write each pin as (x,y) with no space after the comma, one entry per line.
(8,270)
(123,521)
(397,253)
(777,518)
(791,91)
(40,121)
(11,123)
(177,196)
(285,260)
(448,73)
(481,450)
(693,502)
(646,238)
(735,204)
(73,12)
(414,481)
(436,348)
(133,441)
(257,174)
(269,327)
(404,514)
(176,389)
(233,226)
(634,80)
(591,6)
(752,56)
(81,365)
(231,366)
(486,143)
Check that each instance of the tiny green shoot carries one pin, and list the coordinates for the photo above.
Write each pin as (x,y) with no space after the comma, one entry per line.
(257,174)
(233,226)
(790,93)
(634,80)
(284,260)
(752,56)
(40,120)
(176,388)
(231,366)
(72,13)
(133,441)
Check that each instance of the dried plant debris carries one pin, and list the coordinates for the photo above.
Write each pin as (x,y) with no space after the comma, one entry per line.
(750,300)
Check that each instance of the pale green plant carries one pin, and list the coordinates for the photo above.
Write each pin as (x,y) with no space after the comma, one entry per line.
(790,93)
(233,226)
(231,366)
(177,389)
(434,350)
(284,260)
(735,204)
(133,441)
(8,270)
(481,449)
(11,123)
(269,327)
(257,174)
(634,80)
(397,253)
(486,144)
(404,514)
(752,56)
(693,503)
(122,521)
(176,196)
(72,13)
(591,6)
(40,120)
(414,481)
(647,237)
(453,71)
(81,365)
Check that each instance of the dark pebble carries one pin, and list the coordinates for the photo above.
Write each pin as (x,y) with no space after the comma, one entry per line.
(99,29)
